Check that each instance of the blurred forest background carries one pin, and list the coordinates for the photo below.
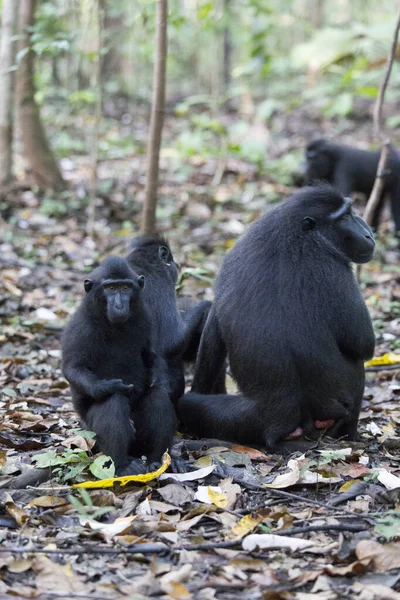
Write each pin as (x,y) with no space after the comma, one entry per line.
(249,82)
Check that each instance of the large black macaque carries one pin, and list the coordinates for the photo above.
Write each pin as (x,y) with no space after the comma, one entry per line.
(290,316)
(353,170)
(119,385)
(176,338)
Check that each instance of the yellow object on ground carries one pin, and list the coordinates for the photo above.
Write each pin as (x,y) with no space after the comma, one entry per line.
(390,358)
(103,483)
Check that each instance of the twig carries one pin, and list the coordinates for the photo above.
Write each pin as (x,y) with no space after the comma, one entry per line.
(378,130)
(159,548)
(377,190)
(297,497)
(382,89)
(334,527)
(395,367)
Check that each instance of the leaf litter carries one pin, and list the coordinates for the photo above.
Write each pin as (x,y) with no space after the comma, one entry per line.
(316,519)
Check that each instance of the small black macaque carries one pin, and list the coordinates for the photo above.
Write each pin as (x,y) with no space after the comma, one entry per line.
(119,385)
(353,170)
(176,337)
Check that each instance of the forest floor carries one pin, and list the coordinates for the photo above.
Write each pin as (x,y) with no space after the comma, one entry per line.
(315,520)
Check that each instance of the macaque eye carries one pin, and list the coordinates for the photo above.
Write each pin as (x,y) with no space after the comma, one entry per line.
(126,288)
(111,288)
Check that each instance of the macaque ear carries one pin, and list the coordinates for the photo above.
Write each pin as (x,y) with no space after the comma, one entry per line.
(140,281)
(308,223)
(88,284)
(164,253)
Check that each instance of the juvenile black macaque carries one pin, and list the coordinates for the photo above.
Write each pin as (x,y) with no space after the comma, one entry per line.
(176,337)
(119,385)
(290,316)
(353,170)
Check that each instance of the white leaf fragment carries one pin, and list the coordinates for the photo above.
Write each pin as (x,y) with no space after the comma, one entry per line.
(390,481)
(191,476)
(270,540)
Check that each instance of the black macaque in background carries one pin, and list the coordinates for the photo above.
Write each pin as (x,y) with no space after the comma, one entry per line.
(176,337)
(353,170)
(289,314)
(119,385)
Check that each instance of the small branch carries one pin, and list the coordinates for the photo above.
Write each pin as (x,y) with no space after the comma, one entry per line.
(377,190)
(159,548)
(94,150)
(382,90)
(156,120)
(382,368)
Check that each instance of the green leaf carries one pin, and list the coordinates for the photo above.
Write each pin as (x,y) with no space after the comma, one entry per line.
(103,467)
(388,526)
(88,435)
(48,459)
(9,392)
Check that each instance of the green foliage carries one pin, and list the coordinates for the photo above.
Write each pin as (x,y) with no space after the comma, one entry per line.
(102,467)
(388,526)
(281,169)
(51,34)
(196,272)
(85,507)
(73,463)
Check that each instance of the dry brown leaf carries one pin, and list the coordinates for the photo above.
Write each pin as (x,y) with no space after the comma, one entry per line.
(13,510)
(47,502)
(59,578)
(3,454)
(251,452)
(20,565)
(374,591)
(384,556)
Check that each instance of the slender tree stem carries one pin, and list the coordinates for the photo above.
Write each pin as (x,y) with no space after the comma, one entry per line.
(156,121)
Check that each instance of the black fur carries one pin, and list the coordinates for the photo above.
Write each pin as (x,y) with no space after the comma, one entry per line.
(119,385)
(353,170)
(289,314)
(176,337)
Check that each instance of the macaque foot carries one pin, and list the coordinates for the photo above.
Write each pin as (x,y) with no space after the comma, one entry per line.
(299,432)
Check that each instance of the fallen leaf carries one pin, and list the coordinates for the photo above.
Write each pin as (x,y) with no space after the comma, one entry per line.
(211,495)
(128,478)
(59,578)
(390,481)
(286,479)
(109,530)
(269,540)
(190,476)
(390,358)
(244,526)
(384,556)
(176,494)
(251,452)
(47,502)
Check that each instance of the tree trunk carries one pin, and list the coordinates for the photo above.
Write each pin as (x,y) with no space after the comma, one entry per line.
(36,147)
(7,57)
(96,84)
(317,13)
(114,27)
(227,60)
(156,121)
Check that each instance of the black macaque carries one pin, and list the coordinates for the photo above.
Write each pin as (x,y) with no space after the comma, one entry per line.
(119,385)
(353,170)
(176,336)
(290,316)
